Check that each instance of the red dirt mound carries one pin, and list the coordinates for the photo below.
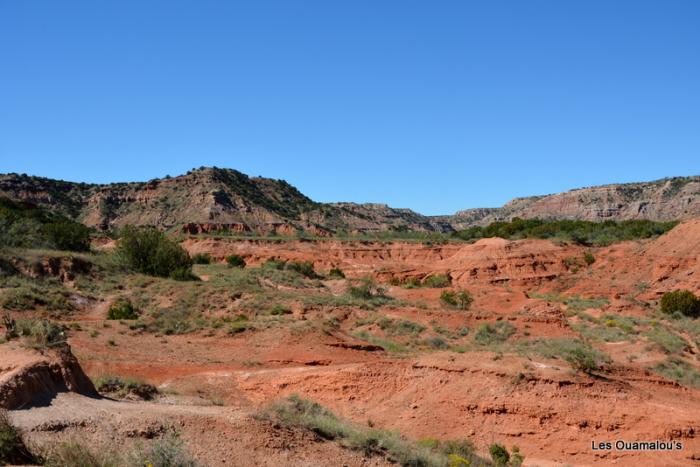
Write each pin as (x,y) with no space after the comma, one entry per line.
(28,375)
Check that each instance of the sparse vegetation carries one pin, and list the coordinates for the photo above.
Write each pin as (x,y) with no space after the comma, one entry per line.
(280,310)
(297,412)
(41,333)
(122,387)
(677,369)
(680,303)
(167,451)
(366,289)
(461,300)
(666,340)
(496,333)
(581,356)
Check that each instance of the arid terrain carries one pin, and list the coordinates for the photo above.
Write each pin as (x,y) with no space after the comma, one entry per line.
(557,346)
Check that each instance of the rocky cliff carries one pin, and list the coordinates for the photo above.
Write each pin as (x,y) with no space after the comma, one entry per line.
(219,200)
(206,200)
(662,200)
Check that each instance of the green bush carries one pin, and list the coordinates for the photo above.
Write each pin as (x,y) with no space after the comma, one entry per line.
(305,268)
(367,289)
(122,309)
(336,273)
(149,251)
(235,261)
(462,300)
(201,258)
(437,281)
(499,454)
(588,258)
(680,302)
(278,309)
(12,448)
(26,226)
(68,235)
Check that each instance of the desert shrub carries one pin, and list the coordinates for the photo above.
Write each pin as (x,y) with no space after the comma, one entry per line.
(280,310)
(437,343)
(305,268)
(680,302)
(667,340)
(274,263)
(336,273)
(75,454)
(122,309)
(679,370)
(578,354)
(201,258)
(499,454)
(41,333)
(400,327)
(461,300)
(496,333)
(123,387)
(437,281)
(582,359)
(68,235)
(235,261)
(168,451)
(21,299)
(366,289)
(588,258)
(238,327)
(26,226)
(12,448)
(149,251)
(164,452)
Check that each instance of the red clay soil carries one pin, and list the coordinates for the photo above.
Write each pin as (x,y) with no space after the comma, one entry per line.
(551,412)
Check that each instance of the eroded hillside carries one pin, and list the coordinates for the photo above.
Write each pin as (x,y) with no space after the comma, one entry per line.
(558,345)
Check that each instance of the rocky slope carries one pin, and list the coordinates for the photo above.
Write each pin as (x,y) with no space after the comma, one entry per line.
(661,200)
(215,200)
(205,200)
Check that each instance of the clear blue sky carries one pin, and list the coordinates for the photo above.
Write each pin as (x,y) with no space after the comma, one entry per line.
(432,105)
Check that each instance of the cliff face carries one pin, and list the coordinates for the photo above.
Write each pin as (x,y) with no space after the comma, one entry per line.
(205,200)
(662,200)
(216,200)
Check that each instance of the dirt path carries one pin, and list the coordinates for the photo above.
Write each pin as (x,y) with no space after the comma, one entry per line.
(214,435)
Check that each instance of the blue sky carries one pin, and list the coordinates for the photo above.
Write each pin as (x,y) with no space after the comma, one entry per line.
(437,106)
